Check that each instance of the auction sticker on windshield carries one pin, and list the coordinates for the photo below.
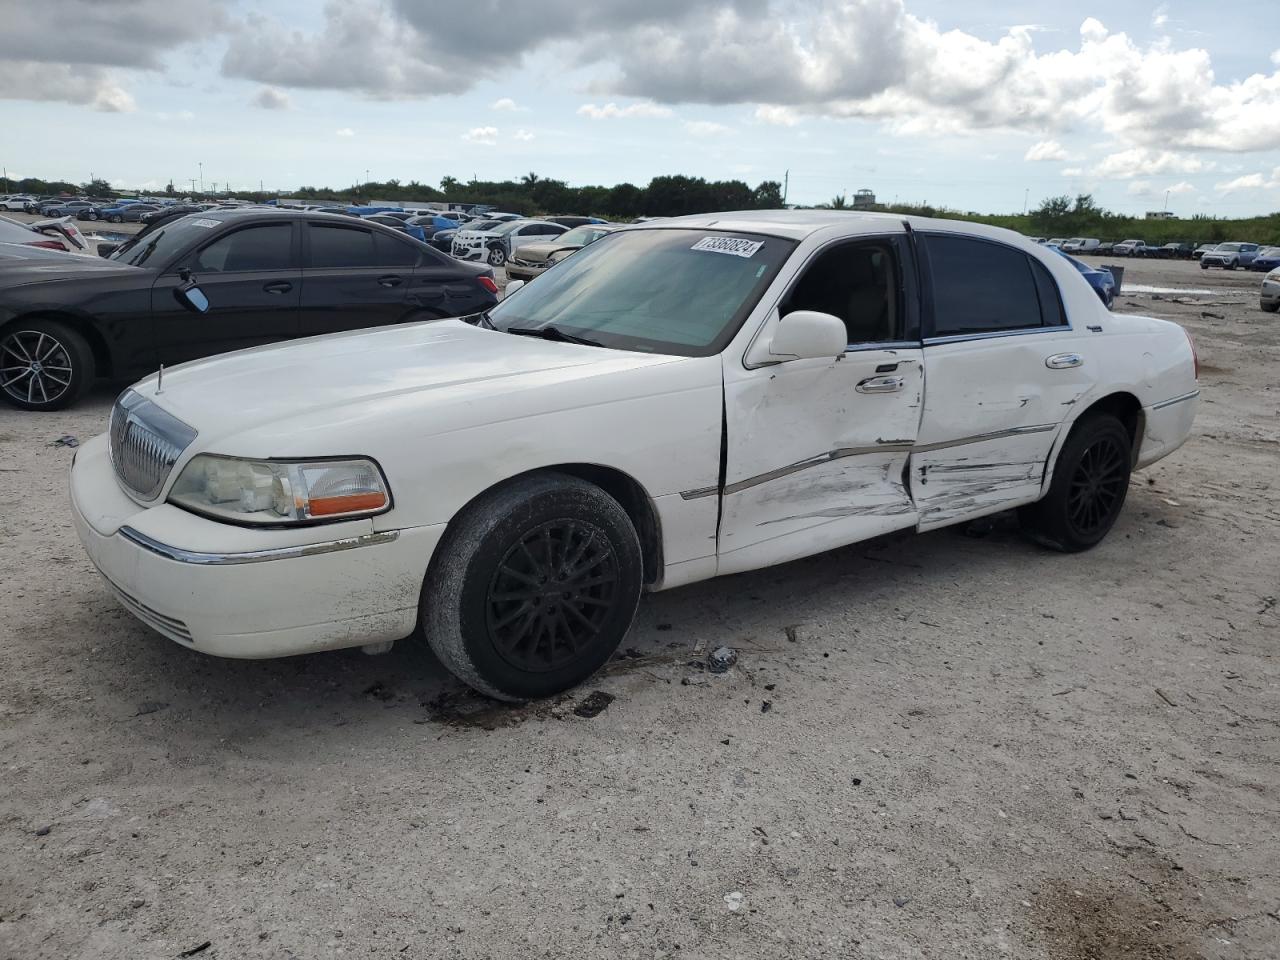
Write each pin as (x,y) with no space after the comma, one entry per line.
(207,224)
(730,245)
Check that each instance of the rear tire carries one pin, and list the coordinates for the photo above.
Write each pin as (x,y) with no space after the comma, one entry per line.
(1088,489)
(1270,307)
(44,365)
(533,587)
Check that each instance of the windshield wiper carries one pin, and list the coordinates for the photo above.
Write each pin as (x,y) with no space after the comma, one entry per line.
(553,333)
(147,251)
(480,319)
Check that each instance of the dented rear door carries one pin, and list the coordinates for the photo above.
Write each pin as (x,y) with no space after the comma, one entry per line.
(1002,368)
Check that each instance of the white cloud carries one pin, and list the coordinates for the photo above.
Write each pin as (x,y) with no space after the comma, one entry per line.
(345,132)
(270,98)
(778,116)
(611,111)
(486,136)
(1275,57)
(1251,181)
(1180,188)
(1140,188)
(504,103)
(523,135)
(1072,172)
(1138,161)
(705,128)
(1046,150)
(1160,16)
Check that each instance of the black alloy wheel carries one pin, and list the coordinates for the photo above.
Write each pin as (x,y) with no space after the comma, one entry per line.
(1097,487)
(1088,488)
(533,586)
(551,594)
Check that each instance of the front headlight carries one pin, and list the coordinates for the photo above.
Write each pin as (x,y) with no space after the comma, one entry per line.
(275,491)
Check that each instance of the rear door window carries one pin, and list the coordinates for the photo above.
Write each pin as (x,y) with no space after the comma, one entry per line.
(393,252)
(980,286)
(337,245)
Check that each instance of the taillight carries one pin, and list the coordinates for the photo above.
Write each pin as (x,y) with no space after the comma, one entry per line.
(488,284)
(48,244)
(1195,357)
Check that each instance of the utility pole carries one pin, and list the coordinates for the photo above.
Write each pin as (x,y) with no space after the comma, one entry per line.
(200,164)
(1026,197)
(193,185)
(786,183)
(1166,201)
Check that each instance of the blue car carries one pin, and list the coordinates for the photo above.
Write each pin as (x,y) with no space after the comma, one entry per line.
(395,223)
(1268,259)
(1103,283)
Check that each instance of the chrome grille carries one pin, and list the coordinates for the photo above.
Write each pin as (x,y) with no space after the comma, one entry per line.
(146,442)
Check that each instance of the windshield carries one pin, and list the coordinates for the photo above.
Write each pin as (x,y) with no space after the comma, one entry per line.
(1229,246)
(156,248)
(678,291)
(506,226)
(481,225)
(581,235)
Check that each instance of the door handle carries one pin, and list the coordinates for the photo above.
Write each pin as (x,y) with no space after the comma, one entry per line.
(881,385)
(277,286)
(391,280)
(1063,361)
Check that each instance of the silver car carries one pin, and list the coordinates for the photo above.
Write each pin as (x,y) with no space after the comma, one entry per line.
(1270,296)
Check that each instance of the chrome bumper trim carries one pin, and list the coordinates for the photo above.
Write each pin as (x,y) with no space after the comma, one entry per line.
(255,556)
(1170,402)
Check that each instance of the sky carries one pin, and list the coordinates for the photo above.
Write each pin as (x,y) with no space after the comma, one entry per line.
(984,105)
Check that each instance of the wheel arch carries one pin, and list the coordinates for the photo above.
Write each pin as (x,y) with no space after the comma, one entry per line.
(1121,404)
(624,488)
(102,362)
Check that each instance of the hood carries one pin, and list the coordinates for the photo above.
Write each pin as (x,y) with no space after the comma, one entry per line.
(540,251)
(325,394)
(63,266)
(472,234)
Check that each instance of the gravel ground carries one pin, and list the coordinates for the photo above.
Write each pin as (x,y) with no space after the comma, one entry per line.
(950,745)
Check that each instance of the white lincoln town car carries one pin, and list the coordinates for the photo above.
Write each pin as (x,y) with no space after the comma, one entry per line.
(683,399)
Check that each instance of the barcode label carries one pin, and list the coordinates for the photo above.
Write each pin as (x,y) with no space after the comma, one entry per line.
(730,245)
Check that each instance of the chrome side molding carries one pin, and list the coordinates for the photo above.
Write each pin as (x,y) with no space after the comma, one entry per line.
(256,556)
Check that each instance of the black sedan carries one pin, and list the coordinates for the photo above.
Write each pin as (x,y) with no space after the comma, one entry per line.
(269,275)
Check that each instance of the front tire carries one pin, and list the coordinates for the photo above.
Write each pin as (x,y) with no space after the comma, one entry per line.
(1270,307)
(44,365)
(1088,488)
(533,587)
(497,256)
(115,218)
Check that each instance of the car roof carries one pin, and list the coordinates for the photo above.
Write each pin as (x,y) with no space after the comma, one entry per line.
(799,224)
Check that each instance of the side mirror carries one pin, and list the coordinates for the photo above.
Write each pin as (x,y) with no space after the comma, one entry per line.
(192,297)
(808,335)
(513,286)
(106,248)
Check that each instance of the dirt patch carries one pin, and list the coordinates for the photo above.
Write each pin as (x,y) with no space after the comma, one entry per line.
(1093,921)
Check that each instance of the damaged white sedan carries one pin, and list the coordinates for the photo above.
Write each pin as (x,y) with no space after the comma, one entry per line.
(683,399)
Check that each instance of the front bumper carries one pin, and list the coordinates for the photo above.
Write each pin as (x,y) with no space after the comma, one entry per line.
(518,269)
(1270,293)
(237,592)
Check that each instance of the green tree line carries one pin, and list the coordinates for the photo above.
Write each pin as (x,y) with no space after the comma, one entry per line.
(670,196)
